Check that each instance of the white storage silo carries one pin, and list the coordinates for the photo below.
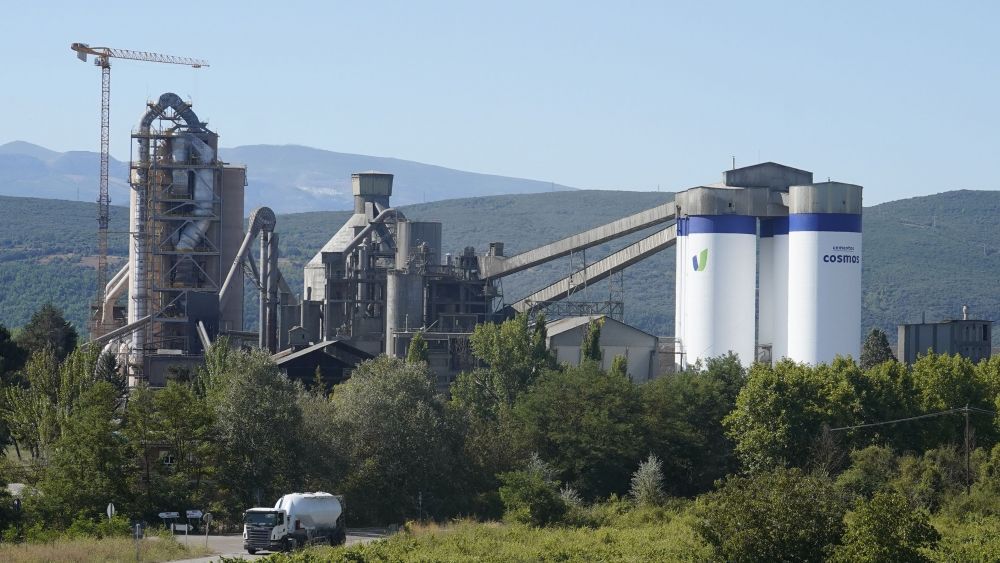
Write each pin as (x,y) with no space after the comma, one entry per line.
(824,272)
(766,295)
(719,286)
(779,343)
(680,249)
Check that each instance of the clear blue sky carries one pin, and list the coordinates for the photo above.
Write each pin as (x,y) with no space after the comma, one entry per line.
(901,97)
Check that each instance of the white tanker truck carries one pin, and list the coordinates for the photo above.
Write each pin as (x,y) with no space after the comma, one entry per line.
(296,520)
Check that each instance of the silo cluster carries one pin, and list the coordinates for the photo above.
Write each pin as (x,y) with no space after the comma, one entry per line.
(768,267)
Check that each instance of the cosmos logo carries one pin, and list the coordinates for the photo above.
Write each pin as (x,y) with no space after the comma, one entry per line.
(700,261)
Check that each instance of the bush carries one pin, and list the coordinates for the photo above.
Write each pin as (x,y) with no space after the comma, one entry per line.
(886,529)
(647,482)
(782,515)
(531,499)
(871,470)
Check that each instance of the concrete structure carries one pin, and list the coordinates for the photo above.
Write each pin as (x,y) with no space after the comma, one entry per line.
(824,272)
(792,303)
(617,339)
(969,338)
(186,224)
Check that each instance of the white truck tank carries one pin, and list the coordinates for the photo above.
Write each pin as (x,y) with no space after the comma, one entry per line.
(311,511)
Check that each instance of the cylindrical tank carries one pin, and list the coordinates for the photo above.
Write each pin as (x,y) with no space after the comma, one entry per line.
(680,249)
(824,272)
(720,286)
(779,342)
(404,306)
(766,295)
(311,511)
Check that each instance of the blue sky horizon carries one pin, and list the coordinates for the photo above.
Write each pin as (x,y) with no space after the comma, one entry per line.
(897,96)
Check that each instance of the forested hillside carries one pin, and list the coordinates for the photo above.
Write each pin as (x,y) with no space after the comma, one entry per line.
(927,255)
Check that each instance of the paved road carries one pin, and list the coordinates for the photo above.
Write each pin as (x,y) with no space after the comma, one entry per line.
(232,545)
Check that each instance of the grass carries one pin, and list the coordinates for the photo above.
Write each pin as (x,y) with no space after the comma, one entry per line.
(107,549)
(667,536)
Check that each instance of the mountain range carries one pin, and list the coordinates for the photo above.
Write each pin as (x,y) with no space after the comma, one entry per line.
(286,178)
(924,257)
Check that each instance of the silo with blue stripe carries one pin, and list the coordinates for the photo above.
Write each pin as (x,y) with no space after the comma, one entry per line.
(824,272)
(679,295)
(719,286)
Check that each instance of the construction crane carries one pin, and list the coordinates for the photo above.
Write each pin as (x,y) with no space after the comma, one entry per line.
(102,59)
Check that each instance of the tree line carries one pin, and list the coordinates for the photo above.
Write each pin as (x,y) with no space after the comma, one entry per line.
(519,436)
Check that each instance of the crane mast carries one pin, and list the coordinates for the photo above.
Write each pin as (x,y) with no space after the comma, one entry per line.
(102,58)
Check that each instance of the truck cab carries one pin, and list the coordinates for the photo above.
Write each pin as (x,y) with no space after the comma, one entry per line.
(265,529)
(297,519)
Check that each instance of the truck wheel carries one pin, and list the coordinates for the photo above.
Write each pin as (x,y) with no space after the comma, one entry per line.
(339,536)
(252,551)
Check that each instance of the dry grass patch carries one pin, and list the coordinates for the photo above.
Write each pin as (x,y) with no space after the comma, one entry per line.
(107,549)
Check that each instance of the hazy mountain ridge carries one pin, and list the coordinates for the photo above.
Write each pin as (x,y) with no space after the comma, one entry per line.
(287,178)
(927,255)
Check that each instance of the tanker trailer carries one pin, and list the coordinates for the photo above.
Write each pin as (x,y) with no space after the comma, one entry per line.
(297,519)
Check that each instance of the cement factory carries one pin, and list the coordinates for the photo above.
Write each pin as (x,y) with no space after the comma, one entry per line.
(768,266)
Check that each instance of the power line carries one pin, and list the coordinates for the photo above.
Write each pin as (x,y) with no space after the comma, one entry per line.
(908,419)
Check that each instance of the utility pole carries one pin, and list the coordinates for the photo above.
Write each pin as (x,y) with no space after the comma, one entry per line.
(968,473)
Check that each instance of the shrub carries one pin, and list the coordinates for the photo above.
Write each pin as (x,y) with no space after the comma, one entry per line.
(781,515)
(530,499)
(886,529)
(871,470)
(647,482)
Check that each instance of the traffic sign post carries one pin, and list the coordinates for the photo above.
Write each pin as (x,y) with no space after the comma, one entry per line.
(208,522)
(194,514)
(111,510)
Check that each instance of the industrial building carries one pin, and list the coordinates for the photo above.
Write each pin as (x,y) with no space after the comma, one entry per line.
(768,266)
(967,337)
(565,337)
(804,242)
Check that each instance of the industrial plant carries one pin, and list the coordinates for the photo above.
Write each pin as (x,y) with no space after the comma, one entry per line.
(768,265)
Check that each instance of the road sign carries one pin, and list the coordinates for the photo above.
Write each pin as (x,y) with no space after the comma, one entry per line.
(110,510)
(207,517)
(169,515)
(193,514)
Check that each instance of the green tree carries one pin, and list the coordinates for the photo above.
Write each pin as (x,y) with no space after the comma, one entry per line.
(682,423)
(591,346)
(875,349)
(12,357)
(108,370)
(779,515)
(37,412)
(619,365)
(531,496)
(325,463)
(48,328)
(886,529)
(872,469)
(647,482)
(86,470)
(184,427)
(417,352)
(258,429)
(540,343)
(781,411)
(944,382)
(587,424)
(401,443)
(513,360)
